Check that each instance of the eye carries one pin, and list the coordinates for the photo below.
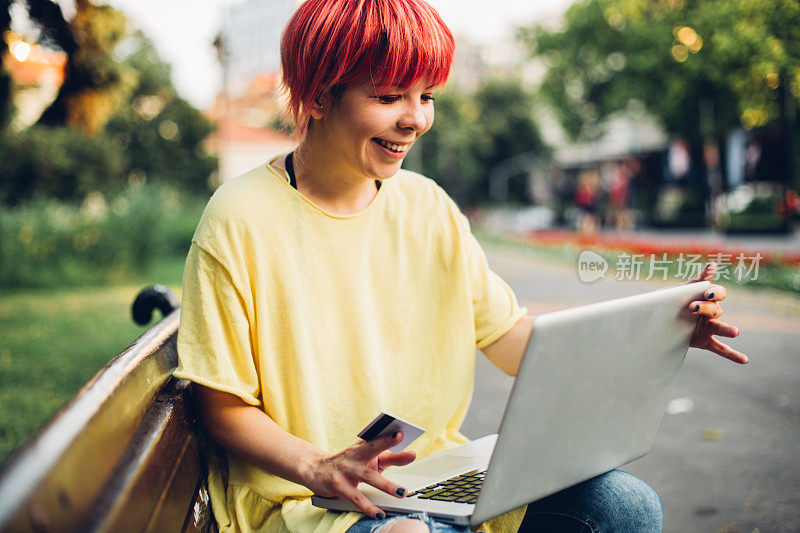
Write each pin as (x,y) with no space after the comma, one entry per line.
(388,98)
(428,98)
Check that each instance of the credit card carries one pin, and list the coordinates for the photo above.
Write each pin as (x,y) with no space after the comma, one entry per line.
(386,424)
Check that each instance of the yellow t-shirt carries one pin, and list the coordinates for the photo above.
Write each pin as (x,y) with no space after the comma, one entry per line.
(323,321)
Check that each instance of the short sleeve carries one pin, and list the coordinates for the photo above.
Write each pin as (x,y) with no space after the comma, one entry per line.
(214,341)
(494,303)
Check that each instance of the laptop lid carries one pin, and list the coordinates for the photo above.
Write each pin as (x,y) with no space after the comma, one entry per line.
(589,395)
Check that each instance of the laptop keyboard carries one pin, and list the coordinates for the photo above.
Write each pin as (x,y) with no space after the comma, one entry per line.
(460,489)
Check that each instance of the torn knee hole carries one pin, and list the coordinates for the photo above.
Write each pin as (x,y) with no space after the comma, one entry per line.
(405,526)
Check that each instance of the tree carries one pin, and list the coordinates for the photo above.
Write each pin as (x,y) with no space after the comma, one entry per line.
(700,67)
(505,111)
(58,162)
(475,132)
(161,132)
(91,138)
(444,153)
(95,83)
(54,159)
(6,108)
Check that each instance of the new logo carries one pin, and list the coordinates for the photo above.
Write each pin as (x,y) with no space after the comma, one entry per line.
(591,266)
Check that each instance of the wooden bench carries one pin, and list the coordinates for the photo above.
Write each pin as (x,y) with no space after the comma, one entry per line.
(125,454)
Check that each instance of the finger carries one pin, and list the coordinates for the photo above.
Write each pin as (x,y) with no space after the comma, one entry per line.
(706,309)
(361,502)
(371,449)
(387,459)
(727,352)
(708,273)
(370,476)
(716,293)
(718,327)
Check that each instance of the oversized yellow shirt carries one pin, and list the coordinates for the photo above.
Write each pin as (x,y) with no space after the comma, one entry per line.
(323,321)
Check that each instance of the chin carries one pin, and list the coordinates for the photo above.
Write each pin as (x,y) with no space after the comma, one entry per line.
(386,172)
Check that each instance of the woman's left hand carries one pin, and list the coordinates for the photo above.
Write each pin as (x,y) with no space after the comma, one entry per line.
(709,311)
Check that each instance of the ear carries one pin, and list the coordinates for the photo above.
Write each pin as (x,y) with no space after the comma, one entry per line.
(318,108)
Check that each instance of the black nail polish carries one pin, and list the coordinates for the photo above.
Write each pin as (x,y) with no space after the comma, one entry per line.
(380,516)
(400,492)
(710,294)
(697,307)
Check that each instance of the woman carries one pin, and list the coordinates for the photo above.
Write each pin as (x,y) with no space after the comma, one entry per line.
(329,285)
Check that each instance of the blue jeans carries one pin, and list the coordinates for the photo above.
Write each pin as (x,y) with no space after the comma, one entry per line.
(615,501)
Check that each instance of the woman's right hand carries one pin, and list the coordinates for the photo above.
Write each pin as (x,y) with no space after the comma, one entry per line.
(339,474)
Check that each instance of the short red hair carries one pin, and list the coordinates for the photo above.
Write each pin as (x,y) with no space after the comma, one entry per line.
(331,44)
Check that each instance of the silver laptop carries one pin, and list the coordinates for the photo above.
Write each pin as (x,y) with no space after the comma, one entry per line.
(589,397)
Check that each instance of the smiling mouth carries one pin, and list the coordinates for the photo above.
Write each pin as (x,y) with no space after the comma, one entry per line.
(394,147)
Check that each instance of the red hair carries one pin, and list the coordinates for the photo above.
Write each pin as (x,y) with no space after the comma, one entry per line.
(331,44)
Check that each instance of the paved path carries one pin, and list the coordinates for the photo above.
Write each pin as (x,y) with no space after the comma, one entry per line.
(732,462)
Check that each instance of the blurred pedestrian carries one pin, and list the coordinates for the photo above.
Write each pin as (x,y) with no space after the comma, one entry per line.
(790,207)
(587,199)
(620,217)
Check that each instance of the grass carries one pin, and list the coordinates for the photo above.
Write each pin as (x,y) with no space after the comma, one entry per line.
(54,341)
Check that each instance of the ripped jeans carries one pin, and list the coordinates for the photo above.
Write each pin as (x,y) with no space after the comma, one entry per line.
(612,502)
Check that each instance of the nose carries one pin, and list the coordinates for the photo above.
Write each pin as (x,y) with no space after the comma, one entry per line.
(413,117)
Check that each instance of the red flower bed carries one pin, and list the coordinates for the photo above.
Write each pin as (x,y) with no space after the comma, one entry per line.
(638,244)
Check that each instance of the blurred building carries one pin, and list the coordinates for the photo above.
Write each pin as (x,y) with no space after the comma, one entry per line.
(248,111)
(251,37)
(247,133)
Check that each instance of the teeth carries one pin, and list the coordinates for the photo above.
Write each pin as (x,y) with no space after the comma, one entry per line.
(393,147)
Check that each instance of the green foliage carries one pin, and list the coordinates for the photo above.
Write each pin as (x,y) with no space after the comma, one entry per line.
(702,68)
(162,133)
(167,149)
(474,132)
(151,135)
(58,162)
(153,74)
(762,214)
(444,151)
(50,243)
(505,109)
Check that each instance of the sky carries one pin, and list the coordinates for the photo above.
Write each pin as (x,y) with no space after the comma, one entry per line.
(183,31)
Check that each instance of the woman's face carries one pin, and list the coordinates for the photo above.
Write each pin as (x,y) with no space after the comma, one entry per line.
(367,134)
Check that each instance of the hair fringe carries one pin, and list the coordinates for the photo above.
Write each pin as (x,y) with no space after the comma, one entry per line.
(330,44)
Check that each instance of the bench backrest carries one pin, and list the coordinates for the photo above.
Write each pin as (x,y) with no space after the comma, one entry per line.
(123,455)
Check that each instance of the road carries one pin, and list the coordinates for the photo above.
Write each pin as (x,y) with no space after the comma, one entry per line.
(728,459)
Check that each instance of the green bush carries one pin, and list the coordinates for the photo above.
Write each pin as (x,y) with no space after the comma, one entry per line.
(761,215)
(58,163)
(49,243)
(167,149)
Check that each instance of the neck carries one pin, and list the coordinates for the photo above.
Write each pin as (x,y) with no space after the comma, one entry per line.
(330,187)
